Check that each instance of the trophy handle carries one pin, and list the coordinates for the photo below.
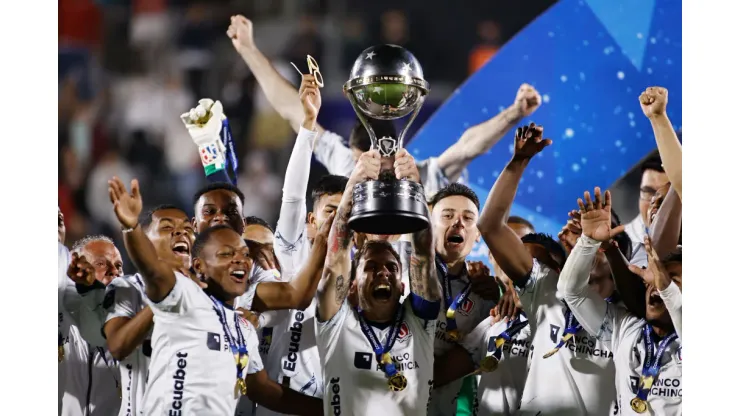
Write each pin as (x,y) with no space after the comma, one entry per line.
(373,137)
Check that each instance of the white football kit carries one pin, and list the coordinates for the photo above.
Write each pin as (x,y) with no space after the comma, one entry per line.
(354,383)
(124,298)
(500,391)
(625,335)
(192,370)
(576,380)
(471,311)
(87,374)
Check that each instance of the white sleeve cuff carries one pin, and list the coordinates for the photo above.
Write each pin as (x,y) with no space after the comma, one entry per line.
(671,296)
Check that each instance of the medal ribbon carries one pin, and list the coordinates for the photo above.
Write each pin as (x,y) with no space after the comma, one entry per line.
(226,138)
(571,328)
(237,344)
(450,303)
(382,352)
(651,365)
(511,331)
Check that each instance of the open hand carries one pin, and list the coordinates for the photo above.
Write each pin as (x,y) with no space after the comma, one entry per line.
(81,271)
(126,206)
(241,34)
(596,216)
(405,166)
(528,141)
(654,101)
(325,228)
(527,100)
(310,99)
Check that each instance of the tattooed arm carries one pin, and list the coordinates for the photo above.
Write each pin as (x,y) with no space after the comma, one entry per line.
(335,282)
(425,288)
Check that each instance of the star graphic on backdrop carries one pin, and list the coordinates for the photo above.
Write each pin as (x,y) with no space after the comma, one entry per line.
(377,90)
(406,67)
(370,55)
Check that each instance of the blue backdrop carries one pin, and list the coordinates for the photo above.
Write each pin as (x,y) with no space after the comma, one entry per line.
(589,60)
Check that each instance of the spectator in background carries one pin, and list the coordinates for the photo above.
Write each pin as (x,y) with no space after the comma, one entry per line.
(394,29)
(354,40)
(97,201)
(653,179)
(79,38)
(196,46)
(261,186)
(489,33)
(305,41)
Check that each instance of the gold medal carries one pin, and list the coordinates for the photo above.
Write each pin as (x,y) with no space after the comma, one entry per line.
(397,382)
(638,405)
(453,335)
(242,360)
(488,364)
(242,386)
(60,351)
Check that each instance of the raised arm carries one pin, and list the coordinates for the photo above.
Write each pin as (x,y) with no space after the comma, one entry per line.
(665,228)
(207,124)
(279,92)
(505,246)
(479,139)
(159,278)
(585,303)
(300,291)
(653,102)
(335,283)
(293,207)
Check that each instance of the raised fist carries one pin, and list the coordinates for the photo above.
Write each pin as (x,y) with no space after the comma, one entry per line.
(204,122)
(653,101)
(241,33)
(527,100)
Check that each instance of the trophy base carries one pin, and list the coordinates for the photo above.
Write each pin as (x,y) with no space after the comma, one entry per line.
(388,207)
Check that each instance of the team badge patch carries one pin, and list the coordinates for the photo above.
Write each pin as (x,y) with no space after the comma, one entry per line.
(403,332)
(466,307)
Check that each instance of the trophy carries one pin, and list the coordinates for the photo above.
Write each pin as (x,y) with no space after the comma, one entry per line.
(387,83)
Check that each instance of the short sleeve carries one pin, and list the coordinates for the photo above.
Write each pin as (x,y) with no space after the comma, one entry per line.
(253,344)
(181,298)
(432,177)
(121,299)
(328,331)
(247,299)
(258,274)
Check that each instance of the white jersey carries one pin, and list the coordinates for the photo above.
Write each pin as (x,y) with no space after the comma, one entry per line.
(578,379)
(624,333)
(468,315)
(636,230)
(500,391)
(337,158)
(87,375)
(355,385)
(192,369)
(124,298)
(257,275)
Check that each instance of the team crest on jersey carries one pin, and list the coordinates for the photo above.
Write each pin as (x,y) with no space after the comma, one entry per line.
(403,332)
(466,307)
(634,382)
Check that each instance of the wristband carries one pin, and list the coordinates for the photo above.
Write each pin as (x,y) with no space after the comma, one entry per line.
(128,230)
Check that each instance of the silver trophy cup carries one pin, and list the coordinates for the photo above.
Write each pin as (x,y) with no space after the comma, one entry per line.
(387,83)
